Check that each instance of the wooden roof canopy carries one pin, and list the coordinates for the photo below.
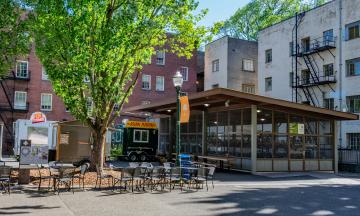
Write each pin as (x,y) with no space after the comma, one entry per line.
(220,99)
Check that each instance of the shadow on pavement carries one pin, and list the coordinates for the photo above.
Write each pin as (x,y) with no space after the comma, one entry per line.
(10,210)
(291,201)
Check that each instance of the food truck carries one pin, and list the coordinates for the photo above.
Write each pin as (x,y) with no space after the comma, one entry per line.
(139,140)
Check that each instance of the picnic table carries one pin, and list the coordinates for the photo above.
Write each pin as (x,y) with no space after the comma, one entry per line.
(222,161)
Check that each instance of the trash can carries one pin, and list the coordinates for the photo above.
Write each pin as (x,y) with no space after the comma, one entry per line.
(185,161)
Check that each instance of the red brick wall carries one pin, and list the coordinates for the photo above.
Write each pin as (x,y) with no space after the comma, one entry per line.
(172,64)
(35,86)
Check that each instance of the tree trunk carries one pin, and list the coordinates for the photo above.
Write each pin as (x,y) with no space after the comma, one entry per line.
(97,152)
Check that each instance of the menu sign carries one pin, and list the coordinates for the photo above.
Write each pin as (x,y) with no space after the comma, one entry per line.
(33,154)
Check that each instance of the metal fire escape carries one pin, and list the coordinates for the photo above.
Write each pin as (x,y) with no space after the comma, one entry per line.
(8,110)
(311,80)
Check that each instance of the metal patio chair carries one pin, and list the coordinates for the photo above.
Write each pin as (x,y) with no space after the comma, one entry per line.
(204,174)
(174,177)
(100,175)
(41,177)
(5,178)
(65,178)
(157,177)
(139,176)
(126,176)
(80,174)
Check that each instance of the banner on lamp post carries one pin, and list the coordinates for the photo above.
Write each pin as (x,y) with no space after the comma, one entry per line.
(185,109)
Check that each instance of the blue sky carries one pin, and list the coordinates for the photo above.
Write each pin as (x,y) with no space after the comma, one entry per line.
(219,10)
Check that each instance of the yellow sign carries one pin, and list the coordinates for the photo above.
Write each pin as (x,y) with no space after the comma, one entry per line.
(138,124)
(185,109)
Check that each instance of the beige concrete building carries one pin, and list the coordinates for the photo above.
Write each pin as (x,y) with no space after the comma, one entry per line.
(231,63)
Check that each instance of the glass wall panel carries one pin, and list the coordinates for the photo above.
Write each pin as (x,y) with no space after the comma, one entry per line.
(326,147)
(264,146)
(235,145)
(264,121)
(280,122)
(212,132)
(311,147)
(311,126)
(235,121)
(296,147)
(325,128)
(281,146)
(246,152)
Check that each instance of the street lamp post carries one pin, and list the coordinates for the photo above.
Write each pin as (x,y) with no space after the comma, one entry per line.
(178,81)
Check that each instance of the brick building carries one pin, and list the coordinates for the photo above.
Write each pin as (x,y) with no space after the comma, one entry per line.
(27,90)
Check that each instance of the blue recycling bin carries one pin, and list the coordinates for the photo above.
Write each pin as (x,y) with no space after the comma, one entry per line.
(185,161)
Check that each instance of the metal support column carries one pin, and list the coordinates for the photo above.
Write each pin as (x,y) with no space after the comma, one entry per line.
(253,138)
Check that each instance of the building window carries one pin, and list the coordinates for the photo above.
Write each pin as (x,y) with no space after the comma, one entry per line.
(329,103)
(215,65)
(248,65)
(44,75)
(352,30)
(268,84)
(353,67)
(46,102)
(248,88)
(146,82)
(159,83)
(141,136)
(160,57)
(291,79)
(328,36)
(305,76)
(305,44)
(185,73)
(353,103)
(329,70)
(20,100)
(353,140)
(268,56)
(22,69)
(145,102)
(215,86)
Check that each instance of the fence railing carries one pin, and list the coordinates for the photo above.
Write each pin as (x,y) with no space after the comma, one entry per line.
(349,156)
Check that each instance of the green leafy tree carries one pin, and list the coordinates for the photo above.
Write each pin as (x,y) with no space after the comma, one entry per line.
(258,14)
(106,42)
(14,37)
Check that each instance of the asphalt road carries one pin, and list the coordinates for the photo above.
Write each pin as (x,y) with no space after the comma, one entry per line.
(234,194)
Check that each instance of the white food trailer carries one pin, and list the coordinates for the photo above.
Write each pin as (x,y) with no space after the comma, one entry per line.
(66,141)
(42,133)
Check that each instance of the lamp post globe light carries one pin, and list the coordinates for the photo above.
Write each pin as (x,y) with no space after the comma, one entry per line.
(178,81)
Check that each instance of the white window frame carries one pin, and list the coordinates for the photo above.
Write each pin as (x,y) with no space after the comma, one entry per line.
(267,87)
(249,63)
(158,87)
(27,70)
(248,88)
(141,136)
(186,69)
(142,81)
(20,106)
(215,65)
(44,75)
(163,53)
(41,103)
